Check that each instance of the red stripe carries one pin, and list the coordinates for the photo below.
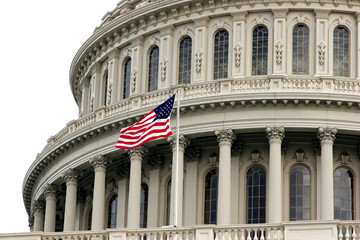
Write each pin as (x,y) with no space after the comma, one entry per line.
(123,139)
(150,139)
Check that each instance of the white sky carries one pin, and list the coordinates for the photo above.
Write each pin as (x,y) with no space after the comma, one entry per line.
(38,40)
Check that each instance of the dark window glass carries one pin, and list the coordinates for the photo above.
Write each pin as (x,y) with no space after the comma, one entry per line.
(112,211)
(221,51)
(168,201)
(299,193)
(185,61)
(127,77)
(343,194)
(89,220)
(106,76)
(300,62)
(341,63)
(211,193)
(153,69)
(144,205)
(260,51)
(256,195)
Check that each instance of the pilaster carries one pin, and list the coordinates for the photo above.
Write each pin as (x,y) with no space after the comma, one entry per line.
(113,78)
(321,42)
(95,98)
(357,15)
(166,56)
(238,68)
(279,56)
(201,49)
(137,78)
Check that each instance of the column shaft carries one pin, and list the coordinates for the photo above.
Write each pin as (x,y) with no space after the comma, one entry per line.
(50,214)
(70,206)
(98,212)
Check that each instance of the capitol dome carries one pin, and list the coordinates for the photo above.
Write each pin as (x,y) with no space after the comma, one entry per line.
(269,126)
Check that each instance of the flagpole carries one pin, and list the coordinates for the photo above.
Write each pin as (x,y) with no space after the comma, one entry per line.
(176,182)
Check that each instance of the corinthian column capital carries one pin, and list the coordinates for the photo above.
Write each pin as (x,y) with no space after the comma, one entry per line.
(327,134)
(71,175)
(225,135)
(275,133)
(183,142)
(38,206)
(51,190)
(137,152)
(99,161)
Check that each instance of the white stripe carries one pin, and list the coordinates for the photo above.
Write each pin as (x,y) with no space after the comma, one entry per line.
(147,137)
(142,134)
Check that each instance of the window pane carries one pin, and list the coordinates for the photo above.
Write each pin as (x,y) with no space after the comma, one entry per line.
(211,190)
(260,51)
(112,211)
(256,195)
(185,61)
(168,200)
(300,60)
(143,205)
(299,193)
(341,52)
(343,194)
(221,50)
(153,69)
(127,77)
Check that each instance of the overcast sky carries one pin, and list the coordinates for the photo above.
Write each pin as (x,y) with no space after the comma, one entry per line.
(38,40)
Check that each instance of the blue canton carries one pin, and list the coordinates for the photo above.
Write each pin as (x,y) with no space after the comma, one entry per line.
(163,111)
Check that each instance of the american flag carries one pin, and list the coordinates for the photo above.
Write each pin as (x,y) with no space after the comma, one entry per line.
(154,125)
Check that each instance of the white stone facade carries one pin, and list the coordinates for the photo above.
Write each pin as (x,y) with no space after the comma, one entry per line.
(274,121)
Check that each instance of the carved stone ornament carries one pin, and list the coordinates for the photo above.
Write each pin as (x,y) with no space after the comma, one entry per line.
(108,95)
(192,154)
(99,161)
(279,51)
(341,20)
(299,156)
(237,53)
(317,148)
(133,79)
(260,20)
(71,175)
(275,133)
(321,51)
(327,134)
(155,161)
(300,18)
(38,206)
(220,24)
(225,135)
(51,190)
(236,149)
(137,152)
(91,105)
(198,60)
(344,158)
(152,41)
(105,66)
(30,221)
(184,31)
(112,186)
(213,160)
(163,66)
(183,141)
(89,199)
(124,171)
(255,156)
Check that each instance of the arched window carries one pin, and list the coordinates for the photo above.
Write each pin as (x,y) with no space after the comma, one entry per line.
(168,201)
(260,51)
(106,76)
(221,52)
(144,205)
(299,193)
(256,195)
(300,52)
(211,195)
(112,211)
(153,69)
(343,194)
(127,77)
(341,52)
(185,61)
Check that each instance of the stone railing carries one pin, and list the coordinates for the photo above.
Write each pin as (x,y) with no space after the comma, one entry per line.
(208,89)
(315,230)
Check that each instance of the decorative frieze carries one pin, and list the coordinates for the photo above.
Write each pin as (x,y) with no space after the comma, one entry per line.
(50,190)
(99,161)
(327,134)
(275,133)
(71,175)
(225,135)
(192,154)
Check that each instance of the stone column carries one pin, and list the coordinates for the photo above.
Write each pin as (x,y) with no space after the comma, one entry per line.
(100,164)
(50,192)
(225,139)
(71,177)
(326,137)
(279,58)
(275,136)
(123,191)
(38,213)
(136,155)
(177,175)
(155,162)
(322,44)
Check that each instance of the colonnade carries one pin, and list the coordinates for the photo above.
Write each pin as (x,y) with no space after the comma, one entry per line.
(44,212)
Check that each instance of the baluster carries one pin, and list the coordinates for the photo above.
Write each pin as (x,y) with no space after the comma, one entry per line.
(242,237)
(236,232)
(255,234)
(268,234)
(161,235)
(187,235)
(354,235)
(340,232)
(248,235)
(222,234)
(167,235)
(262,237)
(216,234)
